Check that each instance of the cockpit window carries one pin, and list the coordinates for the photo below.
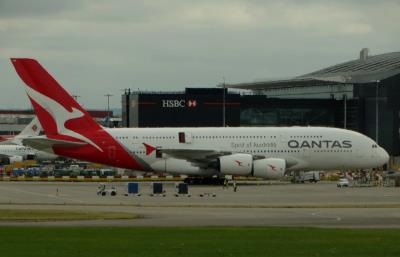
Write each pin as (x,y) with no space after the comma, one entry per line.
(374,146)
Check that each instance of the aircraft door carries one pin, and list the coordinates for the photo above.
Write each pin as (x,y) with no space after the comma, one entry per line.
(185,137)
(159,153)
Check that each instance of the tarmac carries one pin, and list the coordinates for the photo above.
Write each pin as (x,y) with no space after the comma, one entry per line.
(264,204)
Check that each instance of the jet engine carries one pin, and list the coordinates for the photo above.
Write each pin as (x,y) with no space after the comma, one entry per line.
(15,159)
(270,168)
(236,164)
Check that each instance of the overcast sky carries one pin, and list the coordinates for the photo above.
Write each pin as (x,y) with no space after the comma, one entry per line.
(97,47)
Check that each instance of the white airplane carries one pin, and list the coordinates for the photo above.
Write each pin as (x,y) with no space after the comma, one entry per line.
(14,151)
(32,129)
(266,152)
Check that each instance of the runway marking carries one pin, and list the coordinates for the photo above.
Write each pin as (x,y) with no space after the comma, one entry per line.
(316,214)
(40,194)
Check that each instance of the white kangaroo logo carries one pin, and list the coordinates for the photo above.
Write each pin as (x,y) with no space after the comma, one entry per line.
(60,115)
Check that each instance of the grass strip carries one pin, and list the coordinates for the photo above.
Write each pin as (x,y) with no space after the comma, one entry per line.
(206,241)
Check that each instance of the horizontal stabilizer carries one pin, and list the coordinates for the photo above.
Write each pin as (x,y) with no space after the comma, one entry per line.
(43,143)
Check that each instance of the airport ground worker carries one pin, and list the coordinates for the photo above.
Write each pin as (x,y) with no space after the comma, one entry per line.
(234,186)
(225,185)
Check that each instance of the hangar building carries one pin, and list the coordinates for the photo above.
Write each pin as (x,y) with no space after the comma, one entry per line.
(360,94)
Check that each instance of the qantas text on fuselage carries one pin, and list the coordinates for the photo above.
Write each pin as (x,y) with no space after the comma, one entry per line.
(320,144)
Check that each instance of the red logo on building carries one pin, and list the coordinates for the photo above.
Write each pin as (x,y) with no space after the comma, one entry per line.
(191,103)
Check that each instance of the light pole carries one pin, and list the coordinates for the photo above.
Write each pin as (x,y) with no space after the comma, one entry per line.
(108,108)
(345,111)
(377,112)
(223,104)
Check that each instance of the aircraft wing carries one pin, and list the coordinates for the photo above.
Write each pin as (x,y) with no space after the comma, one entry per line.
(206,158)
(44,143)
(199,157)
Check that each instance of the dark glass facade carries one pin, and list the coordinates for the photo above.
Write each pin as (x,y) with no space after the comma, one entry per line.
(381,98)
(263,111)
(196,107)
(204,107)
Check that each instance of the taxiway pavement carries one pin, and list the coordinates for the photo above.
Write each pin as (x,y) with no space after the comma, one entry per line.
(319,205)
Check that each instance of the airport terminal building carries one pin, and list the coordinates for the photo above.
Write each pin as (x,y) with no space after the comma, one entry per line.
(361,95)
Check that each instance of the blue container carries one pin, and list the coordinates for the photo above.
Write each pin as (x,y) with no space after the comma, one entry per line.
(183,188)
(133,188)
(18,172)
(32,172)
(157,188)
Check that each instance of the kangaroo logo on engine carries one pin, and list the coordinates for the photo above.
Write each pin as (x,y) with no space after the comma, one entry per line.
(320,144)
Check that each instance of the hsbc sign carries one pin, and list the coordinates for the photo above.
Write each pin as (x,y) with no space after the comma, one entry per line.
(176,103)
(173,103)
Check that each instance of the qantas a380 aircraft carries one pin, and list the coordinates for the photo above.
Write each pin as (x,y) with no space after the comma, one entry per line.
(266,152)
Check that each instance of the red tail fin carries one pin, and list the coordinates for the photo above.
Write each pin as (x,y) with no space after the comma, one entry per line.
(53,105)
(62,118)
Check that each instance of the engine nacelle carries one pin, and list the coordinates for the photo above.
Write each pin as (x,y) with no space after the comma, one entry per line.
(44,156)
(15,159)
(270,168)
(236,164)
